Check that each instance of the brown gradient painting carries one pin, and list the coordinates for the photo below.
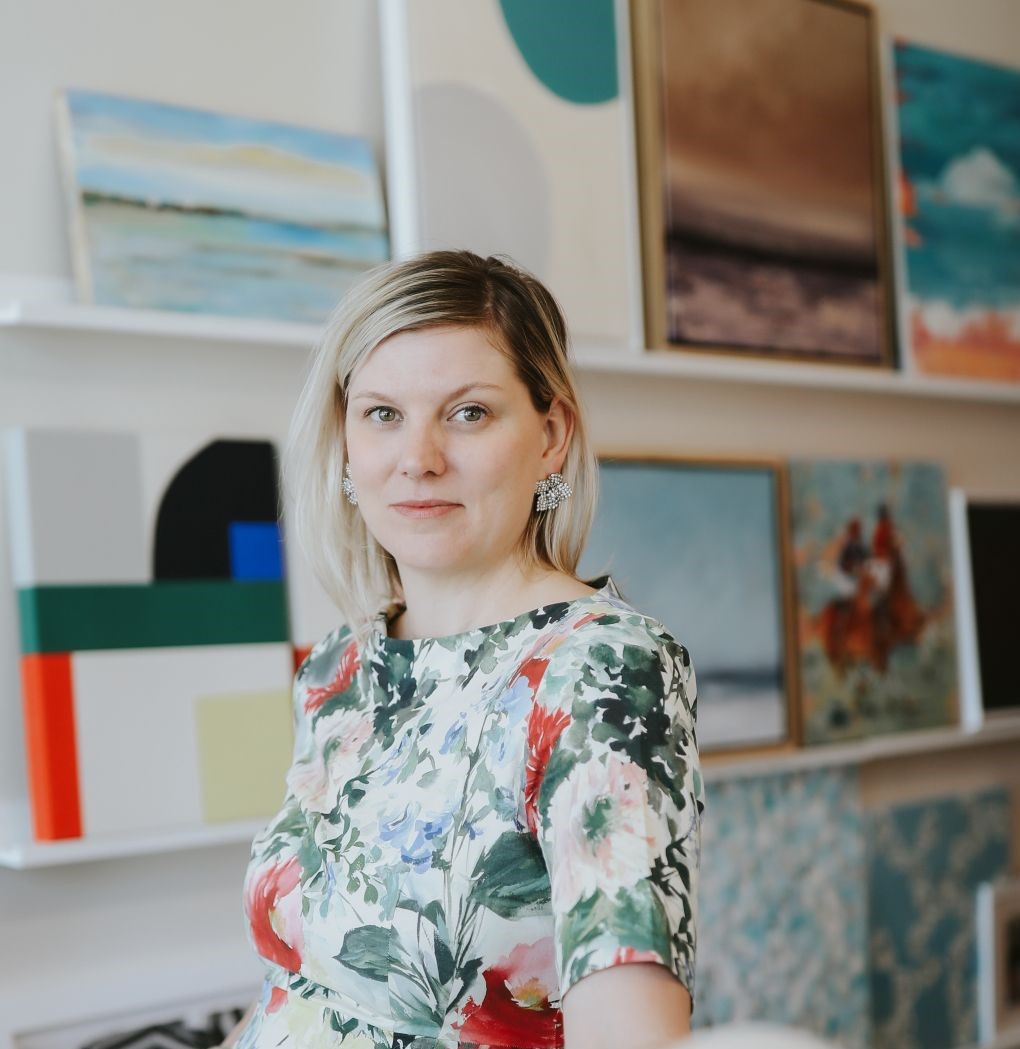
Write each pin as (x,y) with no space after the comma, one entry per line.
(762,186)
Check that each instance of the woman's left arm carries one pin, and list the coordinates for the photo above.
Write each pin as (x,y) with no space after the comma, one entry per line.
(641,1005)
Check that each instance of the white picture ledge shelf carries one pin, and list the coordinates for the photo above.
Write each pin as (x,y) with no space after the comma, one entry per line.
(18,852)
(67,319)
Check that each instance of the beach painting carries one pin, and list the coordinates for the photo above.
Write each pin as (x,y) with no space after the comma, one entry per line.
(959,212)
(173,208)
(875,617)
(699,546)
(769,168)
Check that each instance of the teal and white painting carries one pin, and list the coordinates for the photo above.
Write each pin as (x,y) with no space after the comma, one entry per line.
(698,545)
(174,208)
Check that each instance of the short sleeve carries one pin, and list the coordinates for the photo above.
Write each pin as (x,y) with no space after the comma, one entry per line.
(616,798)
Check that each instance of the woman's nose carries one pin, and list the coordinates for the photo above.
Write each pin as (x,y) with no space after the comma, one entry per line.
(422,452)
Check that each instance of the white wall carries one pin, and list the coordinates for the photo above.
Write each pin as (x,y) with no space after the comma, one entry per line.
(153,927)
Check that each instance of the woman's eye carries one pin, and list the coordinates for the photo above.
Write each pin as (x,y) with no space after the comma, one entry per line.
(385,414)
(475,411)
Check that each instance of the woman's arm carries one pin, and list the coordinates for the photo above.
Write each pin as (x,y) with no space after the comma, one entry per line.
(238,1028)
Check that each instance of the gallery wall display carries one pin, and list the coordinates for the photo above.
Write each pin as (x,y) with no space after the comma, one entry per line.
(926,862)
(174,208)
(998,935)
(783,905)
(986,566)
(875,613)
(508,132)
(155,644)
(701,544)
(763,194)
(958,153)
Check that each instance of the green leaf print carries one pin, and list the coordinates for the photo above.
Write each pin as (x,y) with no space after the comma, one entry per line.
(366,950)
(511,878)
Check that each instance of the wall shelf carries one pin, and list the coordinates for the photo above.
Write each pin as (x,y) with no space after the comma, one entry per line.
(68,318)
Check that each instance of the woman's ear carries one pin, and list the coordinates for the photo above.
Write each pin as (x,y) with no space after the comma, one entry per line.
(558,428)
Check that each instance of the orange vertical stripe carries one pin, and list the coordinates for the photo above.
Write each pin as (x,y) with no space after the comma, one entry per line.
(48,702)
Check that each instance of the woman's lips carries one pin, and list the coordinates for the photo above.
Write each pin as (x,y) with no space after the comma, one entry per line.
(425,509)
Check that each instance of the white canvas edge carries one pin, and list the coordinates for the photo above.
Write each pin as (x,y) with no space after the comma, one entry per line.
(889,115)
(967,662)
(19,516)
(74,206)
(402,166)
(985,929)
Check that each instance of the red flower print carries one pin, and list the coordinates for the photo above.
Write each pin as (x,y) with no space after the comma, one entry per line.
(586,618)
(345,671)
(518,1005)
(273,905)
(544,728)
(632,954)
(277,998)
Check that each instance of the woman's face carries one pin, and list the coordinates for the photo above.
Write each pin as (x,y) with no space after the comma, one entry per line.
(445,448)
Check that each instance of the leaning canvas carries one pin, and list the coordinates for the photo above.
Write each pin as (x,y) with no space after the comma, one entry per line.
(875,617)
(156,655)
(700,545)
(173,208)
(959,213)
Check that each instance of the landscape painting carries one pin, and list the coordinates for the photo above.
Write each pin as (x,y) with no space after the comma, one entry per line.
(959,182)
(698,545)
(875,614)
(173,208)
(768,157)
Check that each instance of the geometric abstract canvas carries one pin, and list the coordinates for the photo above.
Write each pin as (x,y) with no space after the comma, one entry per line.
(156,654)
(783,913)
(874,586)
(185,209)
(926,862)
(959,188)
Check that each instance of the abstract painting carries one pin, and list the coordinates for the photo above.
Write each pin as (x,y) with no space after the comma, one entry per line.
(875,617)
(156,653)
(507,133)
(762,197)
(700,546)
(174,208)
(959,213)
(926,862)
(782,905)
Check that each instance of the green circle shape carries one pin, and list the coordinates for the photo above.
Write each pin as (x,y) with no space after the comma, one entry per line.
(570,45)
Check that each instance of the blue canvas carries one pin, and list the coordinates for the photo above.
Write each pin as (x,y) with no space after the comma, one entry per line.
(926,860)
(782,911)
(183,209)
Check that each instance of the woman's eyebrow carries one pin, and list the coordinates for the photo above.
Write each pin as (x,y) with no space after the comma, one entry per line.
(372,395)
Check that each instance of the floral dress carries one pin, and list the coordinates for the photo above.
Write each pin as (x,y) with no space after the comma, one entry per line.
(473,823)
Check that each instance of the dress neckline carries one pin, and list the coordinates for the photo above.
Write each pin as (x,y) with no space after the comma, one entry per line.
(605,587)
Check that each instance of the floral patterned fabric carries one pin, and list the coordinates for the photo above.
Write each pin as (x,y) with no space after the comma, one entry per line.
(473,823)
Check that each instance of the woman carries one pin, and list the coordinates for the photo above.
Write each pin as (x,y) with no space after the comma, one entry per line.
(494,801)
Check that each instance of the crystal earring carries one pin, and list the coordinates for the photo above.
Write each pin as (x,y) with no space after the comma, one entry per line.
(552,491)
(348,486)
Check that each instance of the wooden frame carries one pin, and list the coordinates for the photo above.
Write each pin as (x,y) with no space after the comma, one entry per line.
(785,610)
(646,35)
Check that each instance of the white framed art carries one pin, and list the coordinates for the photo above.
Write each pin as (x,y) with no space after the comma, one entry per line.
(998,936)
(510,130)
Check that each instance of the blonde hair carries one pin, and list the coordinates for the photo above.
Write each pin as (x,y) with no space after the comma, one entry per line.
(437,288)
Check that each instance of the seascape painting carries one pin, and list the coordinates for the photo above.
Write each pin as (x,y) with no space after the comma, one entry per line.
(174,208)
(875,615)
(697,545)
(959,183)
(769,165)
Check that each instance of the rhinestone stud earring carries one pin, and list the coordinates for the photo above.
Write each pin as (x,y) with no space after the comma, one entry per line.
(552,491)
(348,486)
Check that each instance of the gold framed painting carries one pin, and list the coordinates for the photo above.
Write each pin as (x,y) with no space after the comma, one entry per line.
(700,544)
(762,178)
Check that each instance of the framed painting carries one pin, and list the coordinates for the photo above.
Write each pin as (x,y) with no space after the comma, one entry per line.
(699,544)
(958,176)
(508,132)
(986,566)
(763,190)
(174,208)
(156,649)
(875,619)
(998,935)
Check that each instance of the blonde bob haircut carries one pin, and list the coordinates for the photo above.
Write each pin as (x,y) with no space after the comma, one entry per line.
(433,289)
